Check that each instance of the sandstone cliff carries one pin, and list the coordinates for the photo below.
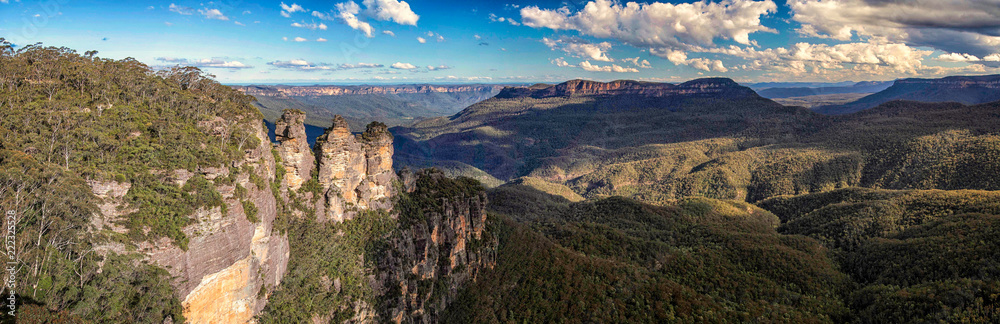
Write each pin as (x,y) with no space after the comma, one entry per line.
(436,251)
(296,156)
(229,259)
(354,171)
(715,87)
(967,90)
(436,243)
(236,256)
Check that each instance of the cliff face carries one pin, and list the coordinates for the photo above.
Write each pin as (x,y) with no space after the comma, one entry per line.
(355,172)
(435,255)
(294,150)
(986,81)
(714,86)
(301,91)
(439,242)
(228,258)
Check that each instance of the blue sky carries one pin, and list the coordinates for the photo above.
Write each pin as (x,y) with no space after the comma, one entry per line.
(392,41)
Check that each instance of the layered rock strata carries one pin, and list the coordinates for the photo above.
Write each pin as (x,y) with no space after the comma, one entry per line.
(296,156)
(229,260)
(355,171)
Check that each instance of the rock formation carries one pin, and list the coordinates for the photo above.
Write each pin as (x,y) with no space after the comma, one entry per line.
(294,150)
(430,255)
(969,90)
(434,257)
(231,263)
(355,171)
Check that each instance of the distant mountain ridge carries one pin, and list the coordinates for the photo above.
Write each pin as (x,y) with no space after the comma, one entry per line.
(967,90)
(330,90)
(389,104)
(714,86)
(860,87)
(512,133)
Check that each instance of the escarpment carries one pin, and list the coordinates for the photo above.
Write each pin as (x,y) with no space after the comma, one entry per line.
(716,87)
(440,247)
(232,252)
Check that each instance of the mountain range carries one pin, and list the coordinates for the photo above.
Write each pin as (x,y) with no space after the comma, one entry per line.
(145,196)
(962,89)
(787,92)
(390,104)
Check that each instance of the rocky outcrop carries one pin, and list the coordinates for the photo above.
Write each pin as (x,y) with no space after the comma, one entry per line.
(229,260)
(293,148)
(110,194)
(355,171)
(716,87)
(302,91)
(433,256)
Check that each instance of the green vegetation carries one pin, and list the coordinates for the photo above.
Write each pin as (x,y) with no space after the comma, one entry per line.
(554,189)
(66,119)
(659,149)
(432,190)
(917,256)
(618,260)
(66,269)
(323,254)
(250,209)
(104,119)
(894,257)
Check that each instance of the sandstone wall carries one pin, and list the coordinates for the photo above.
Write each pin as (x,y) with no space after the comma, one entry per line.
(355,171)
(447,250)
(228,258)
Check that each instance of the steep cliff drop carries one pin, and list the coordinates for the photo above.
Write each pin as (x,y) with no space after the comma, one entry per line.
(401,246)
(355,172)
(229,258)
(439,247)
(296,156)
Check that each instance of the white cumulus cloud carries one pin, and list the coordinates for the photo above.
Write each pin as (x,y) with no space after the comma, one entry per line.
(403,66)
(287,11)
(635,61)
(181,9)
(608,68)
(953,26)
(348,11)
(658,25)
(212,14)
(391,10)
(579,48)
